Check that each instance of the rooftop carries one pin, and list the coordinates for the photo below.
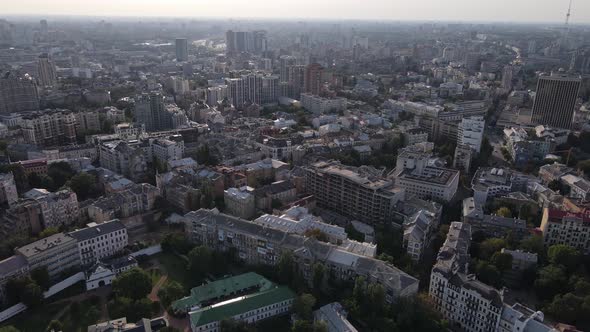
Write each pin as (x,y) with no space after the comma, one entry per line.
(95,230)
(240,305)
(45,244)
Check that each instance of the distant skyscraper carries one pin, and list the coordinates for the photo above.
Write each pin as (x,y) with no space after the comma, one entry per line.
(47,71)
(284,62)
(181,49)
(555,101)
(313,78)
(18,94)
(246,41)
(507,76)
(150,111)
(230,41)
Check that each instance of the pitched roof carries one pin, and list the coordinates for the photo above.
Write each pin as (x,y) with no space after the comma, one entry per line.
(240,305)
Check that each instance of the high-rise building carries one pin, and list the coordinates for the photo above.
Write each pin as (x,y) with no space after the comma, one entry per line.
(230,41)
(149,111)
(47,71)
(49,127)
(181,49)
(470,131)
(18,94)
(555,101)
(313,78)
(235,91)
(285,61)
(507,76)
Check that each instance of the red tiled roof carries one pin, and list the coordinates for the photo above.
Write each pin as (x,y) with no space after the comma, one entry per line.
(559,215)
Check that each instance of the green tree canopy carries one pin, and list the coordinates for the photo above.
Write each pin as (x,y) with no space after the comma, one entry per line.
(200,260)
(303,306)
(54,326)
(551,280)
(41,276)
(134,284)
(84,185)
(489,246)
(502,261)
(504,212)
(171,292)
(561,254)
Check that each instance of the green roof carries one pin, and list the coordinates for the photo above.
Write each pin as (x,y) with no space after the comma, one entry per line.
(247,303)
(222,288)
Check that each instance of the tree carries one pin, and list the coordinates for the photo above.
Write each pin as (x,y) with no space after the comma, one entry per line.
(561,254)
(533,244)
(41,276)
(199,260)
(54,326)
(48,232)
(9,328)
(176,243)
(231,325)
(489,246)
(319,272)
(172,291)
(551,281)
(303,306)
(502,261)
(285,268)
(84,185)
(134,284)
(504,212)
(566,308)
(309,326)
(32,295)
(60,173)
(487,273)
(317,234)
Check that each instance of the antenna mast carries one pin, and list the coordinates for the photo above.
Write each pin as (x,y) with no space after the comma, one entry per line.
(567,21)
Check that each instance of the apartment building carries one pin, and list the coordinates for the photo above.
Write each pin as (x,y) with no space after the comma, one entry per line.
(18,94)
(23,218)
(98,241)
(418,178)
(418,231)
(524,148)
(58,252)
(49,127)
(257,244)
(8,193)
(362,192)
(87,122)
(495,182)
(58,208)
(554,172)
(569,228)
(240,202)
(462,158)
(298,220)
(467,303)
(321,105)
(491,225)
(470,132)
(168,149)
(334,316)
(136,199)
(123,158)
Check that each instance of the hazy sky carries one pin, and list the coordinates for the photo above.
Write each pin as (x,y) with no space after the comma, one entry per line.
(464,10)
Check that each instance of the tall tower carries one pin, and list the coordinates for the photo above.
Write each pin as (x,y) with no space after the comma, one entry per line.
(313,78)
(181,49)
(47,71)
(555,101)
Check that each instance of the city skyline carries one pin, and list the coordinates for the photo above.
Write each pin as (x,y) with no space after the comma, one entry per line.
(396,10)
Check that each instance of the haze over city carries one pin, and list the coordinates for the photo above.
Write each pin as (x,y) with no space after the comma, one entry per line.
(452,10)
(294,166)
